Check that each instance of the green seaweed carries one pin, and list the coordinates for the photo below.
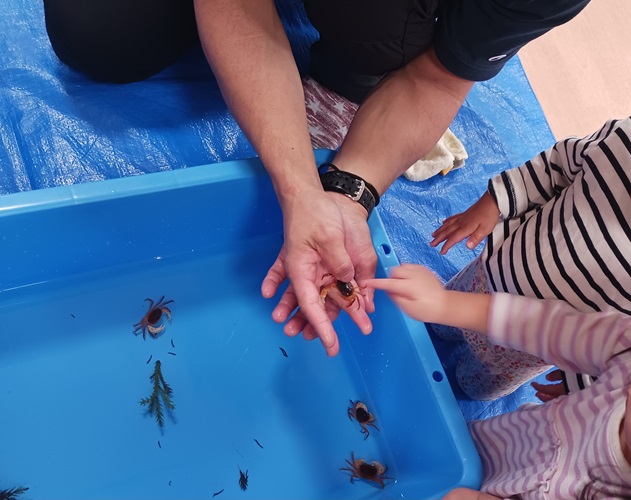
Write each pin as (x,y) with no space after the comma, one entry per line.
(161,394)
(12,493)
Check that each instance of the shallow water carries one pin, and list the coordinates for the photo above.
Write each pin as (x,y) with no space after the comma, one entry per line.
(72,375)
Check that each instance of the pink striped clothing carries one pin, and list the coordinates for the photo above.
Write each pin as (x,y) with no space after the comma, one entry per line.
(553,450)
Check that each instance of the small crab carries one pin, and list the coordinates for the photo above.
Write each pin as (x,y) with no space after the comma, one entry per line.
(153,322)
(358,410)
(349,292)
(372,472)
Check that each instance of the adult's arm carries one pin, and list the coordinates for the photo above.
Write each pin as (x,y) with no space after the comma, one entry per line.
(402,120)
(247,48)
(399,122)
(406,115)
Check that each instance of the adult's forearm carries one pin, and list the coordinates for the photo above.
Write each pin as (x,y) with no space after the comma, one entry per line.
(402,120)
(247,48)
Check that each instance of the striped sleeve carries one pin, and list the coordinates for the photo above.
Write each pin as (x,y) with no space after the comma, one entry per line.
(559,334)
(539,180)
(576,381)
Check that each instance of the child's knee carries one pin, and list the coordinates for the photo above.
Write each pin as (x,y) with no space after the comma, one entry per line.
(120,41)
(445,332)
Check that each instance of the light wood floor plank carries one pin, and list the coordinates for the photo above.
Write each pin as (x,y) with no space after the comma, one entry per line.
(581,71)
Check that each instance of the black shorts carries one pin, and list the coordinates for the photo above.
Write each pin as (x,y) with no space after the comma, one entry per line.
(120,40)
(362,40)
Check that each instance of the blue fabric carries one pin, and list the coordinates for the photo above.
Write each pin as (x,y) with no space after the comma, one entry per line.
(58,128)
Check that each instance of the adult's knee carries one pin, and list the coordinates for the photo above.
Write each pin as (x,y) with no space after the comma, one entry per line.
(120,40)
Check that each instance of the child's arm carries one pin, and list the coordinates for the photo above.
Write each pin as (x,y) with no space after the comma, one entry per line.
(467,494)
(550,329)
(556,332)
(537,181)
(422,296)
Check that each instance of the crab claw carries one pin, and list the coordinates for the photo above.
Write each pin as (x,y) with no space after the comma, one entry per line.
(167,312)
(155,330)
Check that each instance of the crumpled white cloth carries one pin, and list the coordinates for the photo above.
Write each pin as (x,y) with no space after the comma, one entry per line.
(448,154)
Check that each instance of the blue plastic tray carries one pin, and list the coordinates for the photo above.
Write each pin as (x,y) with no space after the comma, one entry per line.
(77,265)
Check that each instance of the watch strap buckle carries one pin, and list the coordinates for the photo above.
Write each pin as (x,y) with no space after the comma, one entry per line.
(360,191)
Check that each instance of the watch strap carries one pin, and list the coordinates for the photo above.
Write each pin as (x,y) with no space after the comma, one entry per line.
(357,189)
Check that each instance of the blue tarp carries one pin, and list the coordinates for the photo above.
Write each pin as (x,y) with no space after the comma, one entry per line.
(59,128)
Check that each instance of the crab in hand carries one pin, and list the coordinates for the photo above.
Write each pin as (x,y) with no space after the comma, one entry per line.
(154,322)
(351,293)
(358,411)
(372,472)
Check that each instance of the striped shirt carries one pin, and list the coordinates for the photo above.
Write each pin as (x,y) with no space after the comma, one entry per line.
(566,232)
(551,450)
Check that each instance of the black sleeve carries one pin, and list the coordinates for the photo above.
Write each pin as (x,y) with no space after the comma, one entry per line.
(475,38)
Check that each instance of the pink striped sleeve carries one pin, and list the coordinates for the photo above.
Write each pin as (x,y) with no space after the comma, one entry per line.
(559,334)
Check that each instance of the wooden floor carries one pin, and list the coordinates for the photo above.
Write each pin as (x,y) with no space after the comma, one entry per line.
(581,71)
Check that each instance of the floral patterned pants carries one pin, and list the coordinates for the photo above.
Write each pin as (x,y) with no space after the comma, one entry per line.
(486,371)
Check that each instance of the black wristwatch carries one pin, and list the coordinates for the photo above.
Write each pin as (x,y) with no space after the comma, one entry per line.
(353,186)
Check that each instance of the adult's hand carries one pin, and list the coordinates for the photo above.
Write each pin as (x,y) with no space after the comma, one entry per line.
(328,235)
(476,223)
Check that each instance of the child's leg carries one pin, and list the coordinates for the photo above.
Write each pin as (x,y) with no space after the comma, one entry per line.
(471,278)
(487,371)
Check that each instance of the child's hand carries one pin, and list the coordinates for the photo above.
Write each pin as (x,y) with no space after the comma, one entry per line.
(476,223)
(421,295)
(416,290)
(548,392)
(467,494)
